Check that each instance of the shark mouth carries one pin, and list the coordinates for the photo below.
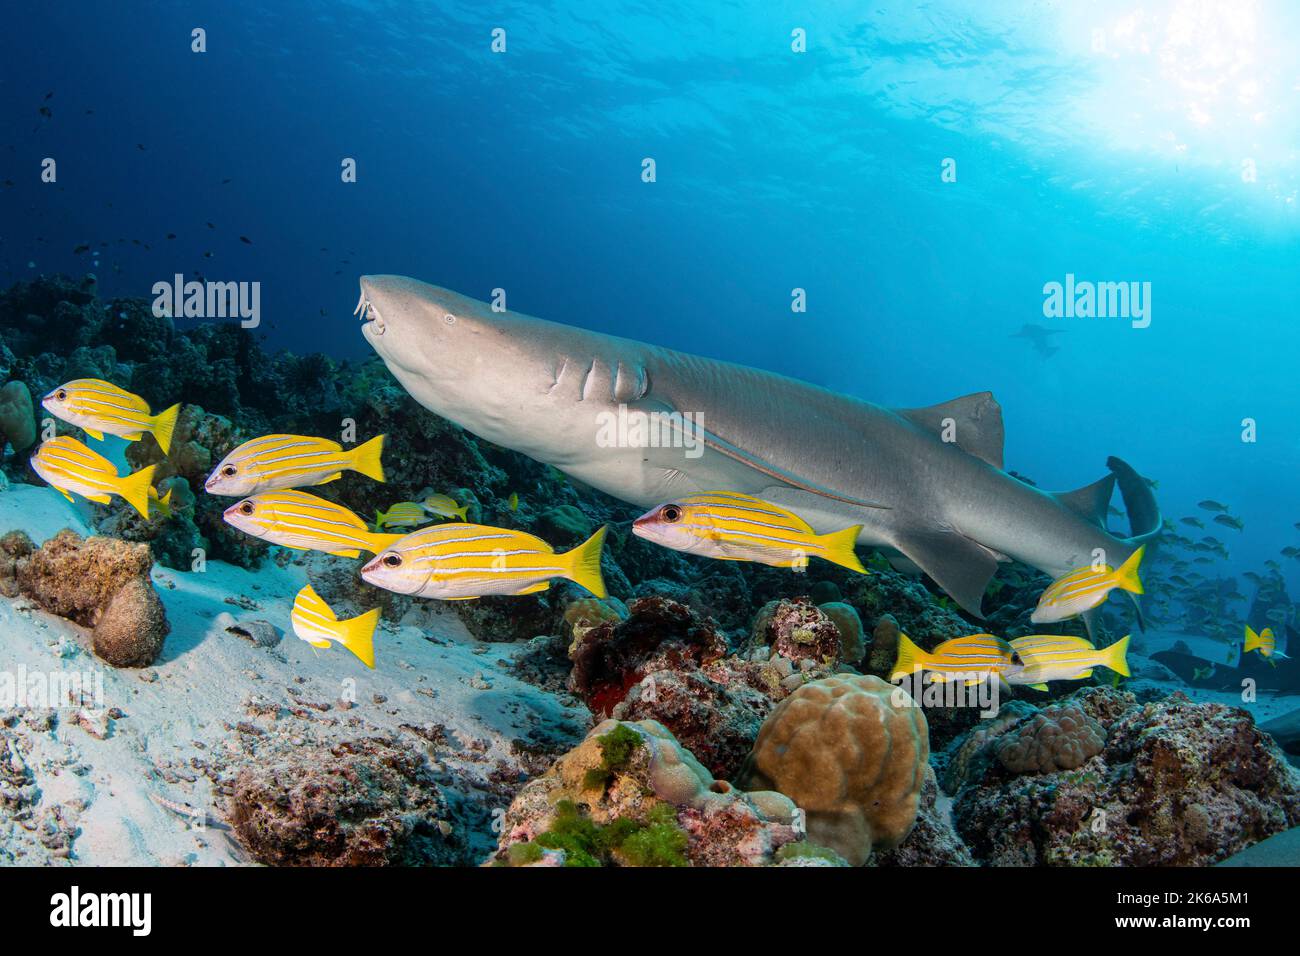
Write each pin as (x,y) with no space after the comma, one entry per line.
(369,314)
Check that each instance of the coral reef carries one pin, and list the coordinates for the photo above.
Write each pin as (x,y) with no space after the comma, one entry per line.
(631,795)
(1176,783)
(17,417)
(797,630)
(103,584)
(852,758)
(1059,737)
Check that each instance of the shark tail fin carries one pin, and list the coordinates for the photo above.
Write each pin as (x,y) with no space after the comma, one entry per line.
(1139,501)
(162,425)
(584,563)
(910,658)
(1126,575)
(837,547)
(135,489)
(357,634)
(366,458)
(1116,656)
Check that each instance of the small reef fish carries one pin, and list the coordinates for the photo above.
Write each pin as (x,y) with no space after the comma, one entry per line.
(98,408)
(163,504)
(970,659)
(1194,522)
(733,527)
(290,461)
(1265,642)
(296,519)
(70,466)
(445,507)
(1049,657)
(455,562)
(1209,504)
(1085,588)
(315,622)
(1202,673)
(513,501)
(404,514)
(1236,524)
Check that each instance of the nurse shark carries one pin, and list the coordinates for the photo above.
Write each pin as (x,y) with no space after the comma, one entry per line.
(926,484)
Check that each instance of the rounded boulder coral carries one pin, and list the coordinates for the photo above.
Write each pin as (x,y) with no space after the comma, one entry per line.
(851,757)
(1061,737)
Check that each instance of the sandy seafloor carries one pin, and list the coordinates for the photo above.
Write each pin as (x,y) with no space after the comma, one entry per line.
(186,705)
(112,793)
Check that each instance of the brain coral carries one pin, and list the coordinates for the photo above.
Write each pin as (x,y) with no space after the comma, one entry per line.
(850,757)
(1061,737)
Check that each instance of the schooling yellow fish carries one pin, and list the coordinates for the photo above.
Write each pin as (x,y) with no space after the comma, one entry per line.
(1085,588)
(970,659)
(70,466)
(316,623)
(163,504)
(291,461)
(735,527)
(404,514)
(296,519)
(1265,642)
(98,407)
(445,507)
(1048,657)
(456,562)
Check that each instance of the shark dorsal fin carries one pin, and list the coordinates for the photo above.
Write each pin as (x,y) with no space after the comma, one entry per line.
(976,424)
(1091,501)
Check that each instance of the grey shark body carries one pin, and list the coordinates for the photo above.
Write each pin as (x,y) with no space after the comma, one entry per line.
(925,483)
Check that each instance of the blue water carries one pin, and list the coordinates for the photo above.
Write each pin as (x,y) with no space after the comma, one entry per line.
(1114,155)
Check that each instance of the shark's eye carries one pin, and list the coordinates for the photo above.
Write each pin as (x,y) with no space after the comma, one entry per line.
(246,508)
(449,319)
(228,471)
(391,560)
(672,513)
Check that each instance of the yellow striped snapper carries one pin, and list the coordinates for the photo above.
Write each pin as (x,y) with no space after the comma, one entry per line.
(296,519)
(290,461)
(1048,657)
(164,503)
(315,622)
(735,527)
(970,659)
(456,562)
(1265,642)
(404,514)
(1085,588)
(70,466)
(98,407)
(445,506)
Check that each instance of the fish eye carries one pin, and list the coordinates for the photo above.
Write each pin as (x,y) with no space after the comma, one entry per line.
(246,508)
(228,471)
(61,395)
(391,560)
(449,319)
(672,513)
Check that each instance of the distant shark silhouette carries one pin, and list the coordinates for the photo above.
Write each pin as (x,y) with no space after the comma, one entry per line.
(1039,337)
(924,483)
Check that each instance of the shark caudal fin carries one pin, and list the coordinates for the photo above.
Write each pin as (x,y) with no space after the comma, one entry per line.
(135,489)
(1139,502)
(366,458)
(910,658)
(162,425)
(584,563)
(1116,657)
(837,547)
(357,634)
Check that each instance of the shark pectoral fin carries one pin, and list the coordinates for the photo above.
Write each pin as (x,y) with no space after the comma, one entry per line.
(960,566)
(975,420)
(1091,619)
(1091,501)
(1137,606)
(694,435)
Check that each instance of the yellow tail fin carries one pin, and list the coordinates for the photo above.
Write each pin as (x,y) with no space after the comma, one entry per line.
(584,563)
(357,635)
(1252,640)
(1116,656)
(1126,575)
(135,489)
(837,547)
(463,512)
(910,658)
(365,458)
(162,425)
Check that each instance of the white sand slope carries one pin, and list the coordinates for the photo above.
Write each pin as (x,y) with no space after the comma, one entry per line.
(180,719)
